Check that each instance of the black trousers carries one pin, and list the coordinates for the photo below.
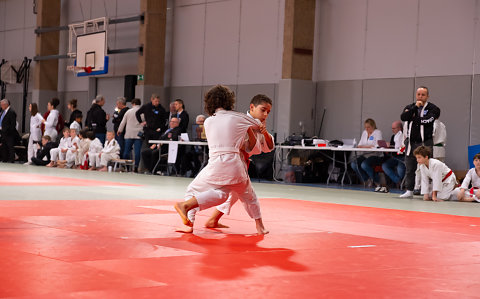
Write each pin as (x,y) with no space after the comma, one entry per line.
(7,149)
(39,162)
(411,164)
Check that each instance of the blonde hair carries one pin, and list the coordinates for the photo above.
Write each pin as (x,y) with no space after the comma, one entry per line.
(371,122)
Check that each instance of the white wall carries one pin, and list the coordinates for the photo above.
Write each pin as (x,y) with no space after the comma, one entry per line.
(230,42)
(368,39)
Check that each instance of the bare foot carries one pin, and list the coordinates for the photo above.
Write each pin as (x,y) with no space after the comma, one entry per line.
(185,229)
(213,224)
(262,231)
(50,164)
(92,168)
(103,169)
(180,208)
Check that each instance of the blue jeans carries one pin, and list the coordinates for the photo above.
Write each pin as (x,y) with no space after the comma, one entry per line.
(395,169)
(366,169)
(121,142)
(137,143)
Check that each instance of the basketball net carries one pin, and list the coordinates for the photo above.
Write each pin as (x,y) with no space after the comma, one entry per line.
(78,69)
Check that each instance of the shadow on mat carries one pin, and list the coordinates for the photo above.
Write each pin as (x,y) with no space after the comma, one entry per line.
(232,256)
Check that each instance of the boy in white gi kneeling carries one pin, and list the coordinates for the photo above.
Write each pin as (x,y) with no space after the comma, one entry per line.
(438,180)
(463,193)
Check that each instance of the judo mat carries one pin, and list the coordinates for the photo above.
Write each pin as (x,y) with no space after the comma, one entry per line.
(92,248)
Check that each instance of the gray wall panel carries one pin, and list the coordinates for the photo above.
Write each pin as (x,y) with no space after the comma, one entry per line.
(342,101)
(475,111)
(383,101)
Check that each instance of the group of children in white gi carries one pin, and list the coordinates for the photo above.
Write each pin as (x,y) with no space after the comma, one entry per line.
(84,151)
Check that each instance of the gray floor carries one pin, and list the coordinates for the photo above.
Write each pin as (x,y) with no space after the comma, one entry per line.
(172,188)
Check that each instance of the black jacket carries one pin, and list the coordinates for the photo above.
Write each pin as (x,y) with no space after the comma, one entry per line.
(174,134)
(96,119)
(9,125)
(117,118)
(44,151)
(184,120)
(154,116)
(411,115)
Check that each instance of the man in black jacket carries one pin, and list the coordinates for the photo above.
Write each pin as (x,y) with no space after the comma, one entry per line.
(419,118)
(182,114)
(44,151)
(8,131)
(97,118)
(155,117)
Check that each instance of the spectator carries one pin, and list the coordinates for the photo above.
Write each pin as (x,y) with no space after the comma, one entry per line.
(36,121)
(52,119)
(438,181)
(72,106)
(151,155)
(173,112)
(97,118)
(191,159)
(367,162)
(8,130)
(131,128)
(394,166)
(43,153)
(60,152)
(182,115)
(155,116)
(118,115)
(72,151)
(419,118)
(110,151)
(473,178)
(86,138)
(77,123)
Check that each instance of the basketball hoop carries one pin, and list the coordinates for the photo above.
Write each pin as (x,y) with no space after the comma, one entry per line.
(78,69)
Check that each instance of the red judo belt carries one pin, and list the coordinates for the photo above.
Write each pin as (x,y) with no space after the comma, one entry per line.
(447,175)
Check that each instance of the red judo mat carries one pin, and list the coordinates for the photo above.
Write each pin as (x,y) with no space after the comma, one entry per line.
(129,249)
(27,179)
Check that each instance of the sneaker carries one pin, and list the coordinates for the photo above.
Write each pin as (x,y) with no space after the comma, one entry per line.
(383,190)
(407,194)
(377,189)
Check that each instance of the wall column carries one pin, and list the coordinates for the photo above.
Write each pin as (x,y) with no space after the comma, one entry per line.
(296,88)
(46,71)
(152,63)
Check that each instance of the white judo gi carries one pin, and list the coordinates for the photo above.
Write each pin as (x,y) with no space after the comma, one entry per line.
(72,151)
(260,147)
(35,135)
(110,151)
(51,124)
(57,153)
(226,171)
(442,179)
(473,178)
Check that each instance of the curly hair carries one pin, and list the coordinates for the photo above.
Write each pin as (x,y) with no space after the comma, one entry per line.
(219,96)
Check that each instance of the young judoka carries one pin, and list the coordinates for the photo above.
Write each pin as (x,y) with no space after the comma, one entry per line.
(225,172)
(60,152)
(71,152)
(443,179)
(473,177)
(110,151)
(85,137)
(95,147)
(260,107)
(76,124)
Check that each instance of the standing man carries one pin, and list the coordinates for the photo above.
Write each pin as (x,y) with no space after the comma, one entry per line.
(182,115)
(155,118)
(97,119)
(117,119)
(419,118)
(8,130)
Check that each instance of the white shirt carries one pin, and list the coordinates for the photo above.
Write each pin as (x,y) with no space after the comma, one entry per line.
(130,124)
(398,139)
(436,171)
(51,122)
(371,141)
(225,131)
(111,147)
(471,177)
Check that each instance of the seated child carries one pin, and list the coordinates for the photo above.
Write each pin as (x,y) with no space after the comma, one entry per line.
(72,150)
(96,147)
(86,138)
(43,152)
(76,124)
(473,177)
(60,152)
(442,178)
(109,152)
